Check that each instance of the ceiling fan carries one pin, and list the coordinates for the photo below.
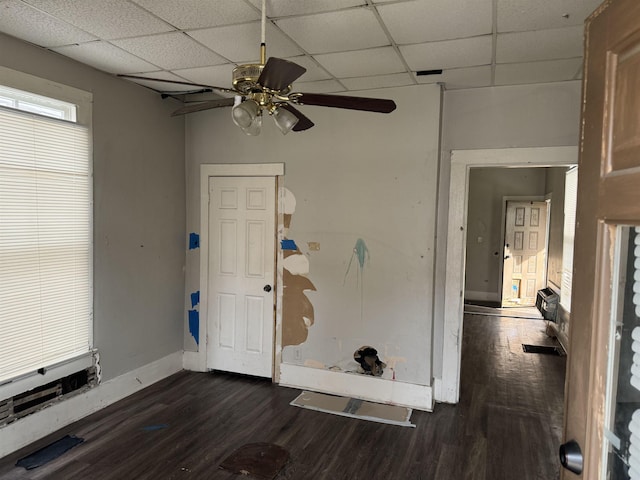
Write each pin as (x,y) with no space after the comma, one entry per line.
(265,87)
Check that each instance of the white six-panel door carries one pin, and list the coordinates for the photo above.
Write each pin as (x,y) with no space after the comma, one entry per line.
(241,274)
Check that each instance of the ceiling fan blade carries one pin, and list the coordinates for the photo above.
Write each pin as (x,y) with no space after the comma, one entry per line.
(303,122)
(197,107)
(176,82)
(278,74)
(379,105)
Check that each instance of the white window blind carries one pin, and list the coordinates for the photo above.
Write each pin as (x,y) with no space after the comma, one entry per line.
(45,242)
(634,425)
(570,201)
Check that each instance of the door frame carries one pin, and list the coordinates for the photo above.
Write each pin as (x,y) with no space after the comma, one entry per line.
(275,170)
(448,388)
(503,231)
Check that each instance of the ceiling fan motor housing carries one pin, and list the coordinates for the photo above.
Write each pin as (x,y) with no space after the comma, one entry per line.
(245,77)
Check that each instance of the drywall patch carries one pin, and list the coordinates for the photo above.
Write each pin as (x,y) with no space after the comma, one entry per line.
(194,325)
(296,307)
(297,310)
(296,264)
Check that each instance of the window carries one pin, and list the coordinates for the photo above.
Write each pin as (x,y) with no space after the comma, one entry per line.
(570,197)
(46,299)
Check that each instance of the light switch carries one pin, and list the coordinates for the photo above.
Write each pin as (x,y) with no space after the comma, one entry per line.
(314,246)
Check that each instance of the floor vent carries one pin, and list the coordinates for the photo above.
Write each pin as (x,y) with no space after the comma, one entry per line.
(547,350)
(14,408)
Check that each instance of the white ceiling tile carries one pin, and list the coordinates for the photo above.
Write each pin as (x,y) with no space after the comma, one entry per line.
(321,86)
(362,63)
(313,73)
(537,72)
(218,75)
(241,43)
(539,45)
(466,52)
(518,15)
(335,31)
(285,8)
(163,86)
(104,56)
(32,25)
(379,81)
(470,77)
(428,20)
(127,19)
(201,13)
(170,51)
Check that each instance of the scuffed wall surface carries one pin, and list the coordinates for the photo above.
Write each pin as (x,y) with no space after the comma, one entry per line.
(355,175)
(139,210)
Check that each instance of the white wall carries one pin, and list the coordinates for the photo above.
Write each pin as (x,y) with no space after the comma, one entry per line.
(354,175)
(541,115)
(139,212)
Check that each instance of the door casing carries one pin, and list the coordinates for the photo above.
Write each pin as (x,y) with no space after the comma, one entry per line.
(237,170)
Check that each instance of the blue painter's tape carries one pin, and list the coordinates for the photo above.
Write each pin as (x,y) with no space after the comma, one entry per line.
(151,428)
(194,325)
(194,241)
(195,298)
(288,245)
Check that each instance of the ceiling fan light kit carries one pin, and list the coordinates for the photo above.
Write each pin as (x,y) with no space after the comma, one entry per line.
(266,87)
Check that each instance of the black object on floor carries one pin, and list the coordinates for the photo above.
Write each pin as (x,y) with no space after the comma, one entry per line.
(542,349)
(50,452)
(262,460)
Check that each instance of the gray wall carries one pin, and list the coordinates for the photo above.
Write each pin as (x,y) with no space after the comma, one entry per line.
(354,175)
(554,181)
(139,210)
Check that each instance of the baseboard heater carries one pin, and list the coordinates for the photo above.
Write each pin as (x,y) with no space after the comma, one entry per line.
(18,406)
(547,303)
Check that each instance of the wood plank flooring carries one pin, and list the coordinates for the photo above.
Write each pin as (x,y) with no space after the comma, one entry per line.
(507,425)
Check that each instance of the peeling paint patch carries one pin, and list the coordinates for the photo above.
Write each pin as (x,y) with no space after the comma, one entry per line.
(194,241)
(287,244)
(195,298)
(194,325)
(296,307)
(296,264)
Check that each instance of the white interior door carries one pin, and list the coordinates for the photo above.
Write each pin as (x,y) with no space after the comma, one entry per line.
(524,253)
(241,274)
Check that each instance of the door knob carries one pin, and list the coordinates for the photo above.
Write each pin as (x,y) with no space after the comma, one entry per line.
(267,288)
(506,257)
(571,457)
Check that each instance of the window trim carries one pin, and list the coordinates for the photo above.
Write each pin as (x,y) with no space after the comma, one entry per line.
(84,102)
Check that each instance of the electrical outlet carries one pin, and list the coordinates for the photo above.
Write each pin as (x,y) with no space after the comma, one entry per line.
(313,246)
(296,354)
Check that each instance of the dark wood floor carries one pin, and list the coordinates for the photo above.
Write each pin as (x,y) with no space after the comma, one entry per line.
(507,425)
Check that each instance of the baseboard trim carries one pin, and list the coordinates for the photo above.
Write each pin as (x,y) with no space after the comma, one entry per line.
(194,361)
(40,424)
(482,296)
(364,387)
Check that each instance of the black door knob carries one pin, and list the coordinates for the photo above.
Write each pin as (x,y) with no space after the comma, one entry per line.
(571,457)
(267,288)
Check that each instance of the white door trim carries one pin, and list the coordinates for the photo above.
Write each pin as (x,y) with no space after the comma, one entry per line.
(231,170)
(461,162)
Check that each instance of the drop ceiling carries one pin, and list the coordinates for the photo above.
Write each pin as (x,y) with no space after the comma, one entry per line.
(344,44)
